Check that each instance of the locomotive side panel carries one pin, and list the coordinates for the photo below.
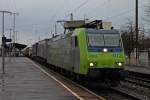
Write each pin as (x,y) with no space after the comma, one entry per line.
(61,54)
(42,49)
(34,50)
(75,55)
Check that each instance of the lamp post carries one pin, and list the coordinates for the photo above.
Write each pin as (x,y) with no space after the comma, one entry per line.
(136,27)
(3,41)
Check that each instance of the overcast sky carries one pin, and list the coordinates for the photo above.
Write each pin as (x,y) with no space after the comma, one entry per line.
(37,17)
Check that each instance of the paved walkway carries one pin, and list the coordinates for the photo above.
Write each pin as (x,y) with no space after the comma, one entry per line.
(23,81)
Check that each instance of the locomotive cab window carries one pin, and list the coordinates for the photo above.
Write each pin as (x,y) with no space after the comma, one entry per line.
(98,40)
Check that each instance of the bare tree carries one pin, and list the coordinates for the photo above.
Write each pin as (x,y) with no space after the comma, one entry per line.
(146,18)
(128,36)
(147,9)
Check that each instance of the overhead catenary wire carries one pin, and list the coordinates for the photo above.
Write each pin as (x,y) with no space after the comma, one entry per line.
(124,12)
(77,8)
(74,10)
(100,5)
(68,14)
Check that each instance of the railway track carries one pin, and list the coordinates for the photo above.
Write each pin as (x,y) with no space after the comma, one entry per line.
(139,83)
(139,76)
(86,92)
(117,93)
(130,94)
(140,79)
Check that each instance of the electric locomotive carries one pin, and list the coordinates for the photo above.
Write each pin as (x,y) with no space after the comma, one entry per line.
(88,51)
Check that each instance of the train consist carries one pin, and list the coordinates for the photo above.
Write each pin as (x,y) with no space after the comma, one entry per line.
(86,50)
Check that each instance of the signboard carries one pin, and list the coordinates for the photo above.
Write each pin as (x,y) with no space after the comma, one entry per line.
(4,39)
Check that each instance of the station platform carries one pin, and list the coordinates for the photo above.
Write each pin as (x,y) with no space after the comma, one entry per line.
(139,69)
(23,81)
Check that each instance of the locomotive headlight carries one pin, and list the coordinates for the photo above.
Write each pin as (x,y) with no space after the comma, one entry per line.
(105,50)
(119,64)
(91,64)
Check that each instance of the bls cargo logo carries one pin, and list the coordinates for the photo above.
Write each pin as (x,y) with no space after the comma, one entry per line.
(117,55)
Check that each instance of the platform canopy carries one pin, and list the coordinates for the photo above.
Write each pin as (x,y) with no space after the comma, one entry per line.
(17,46)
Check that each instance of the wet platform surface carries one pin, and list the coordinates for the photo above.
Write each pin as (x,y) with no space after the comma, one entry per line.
(23,81)
(139,69)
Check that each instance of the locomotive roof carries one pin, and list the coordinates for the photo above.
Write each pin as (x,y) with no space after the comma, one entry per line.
(102,31)
(60,36)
